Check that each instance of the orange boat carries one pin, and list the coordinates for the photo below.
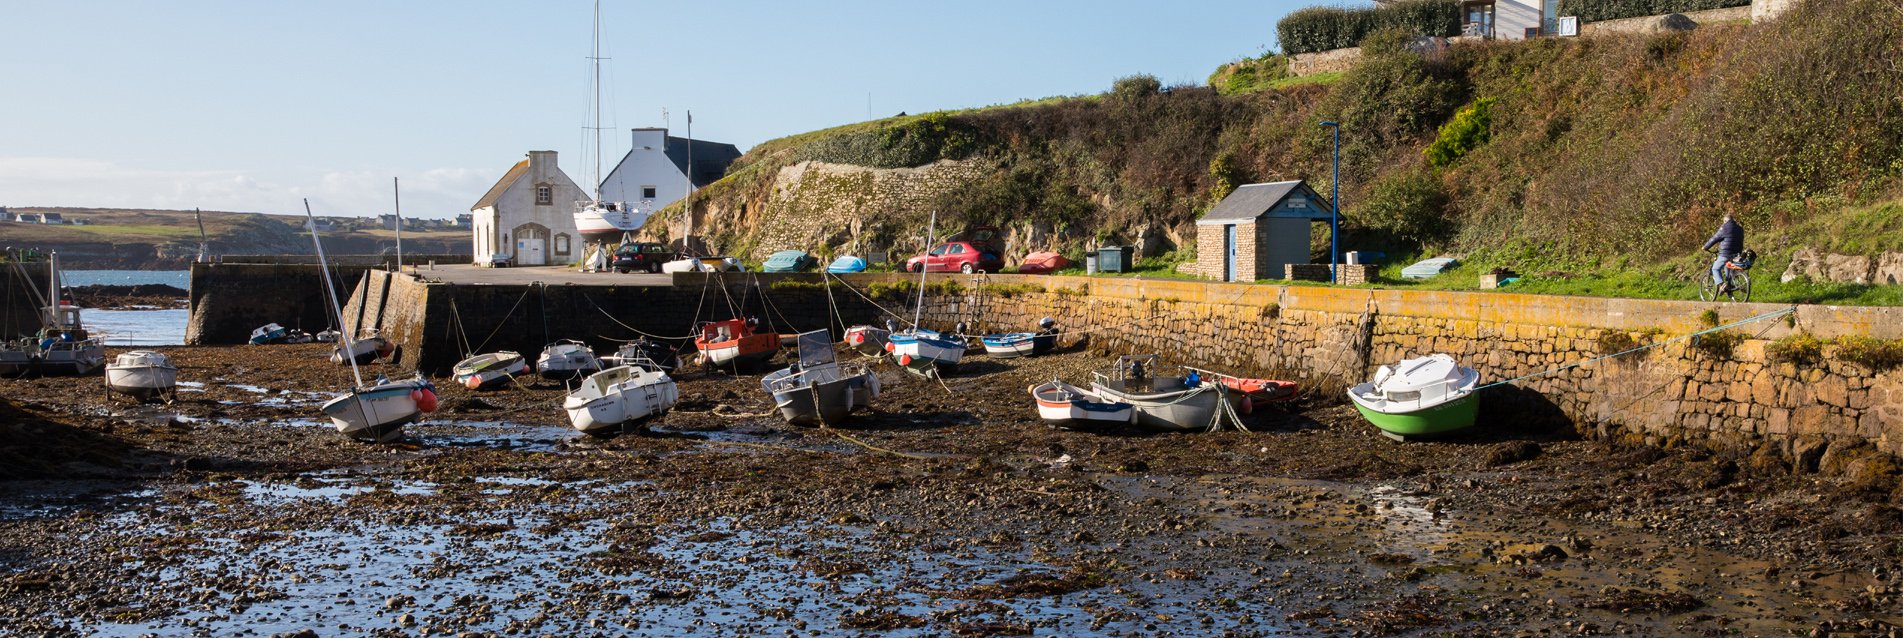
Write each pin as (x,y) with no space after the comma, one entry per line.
(734,342)
(1261,390)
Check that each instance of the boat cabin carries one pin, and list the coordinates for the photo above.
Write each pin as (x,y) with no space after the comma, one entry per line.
(1258,230)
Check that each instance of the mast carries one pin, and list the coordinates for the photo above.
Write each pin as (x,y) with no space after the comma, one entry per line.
(397,193)
(202,242)
(330,292)
(687,203)
(594,110)
(930,230)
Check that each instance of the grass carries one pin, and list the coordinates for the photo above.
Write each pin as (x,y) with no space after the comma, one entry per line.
(1324,78)
(1677,279)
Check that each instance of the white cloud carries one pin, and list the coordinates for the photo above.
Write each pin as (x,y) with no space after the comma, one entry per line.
(62,181)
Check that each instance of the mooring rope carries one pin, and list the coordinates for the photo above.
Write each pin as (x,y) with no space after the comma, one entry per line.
(604,312)
(1734,324)
(505,320)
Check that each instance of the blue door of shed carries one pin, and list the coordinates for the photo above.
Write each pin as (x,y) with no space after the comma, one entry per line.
(1229,252)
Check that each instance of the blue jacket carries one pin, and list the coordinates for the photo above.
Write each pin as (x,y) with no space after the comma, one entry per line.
(1730,239)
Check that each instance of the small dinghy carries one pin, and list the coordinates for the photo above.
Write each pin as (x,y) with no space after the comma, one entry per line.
(846,264)
(567,359)
(489,371)
(329,336)
(654,356)
(734,343)
(377,413)
(818,390)
(612,399)
(789,261)
(1419,397)
(870,340)
(927,353)
(1254,392)
(1042,263)
(1011,345)
(143,375)
(267,333)
(1176,402)
(1069,407)
(361,351)
(703,264)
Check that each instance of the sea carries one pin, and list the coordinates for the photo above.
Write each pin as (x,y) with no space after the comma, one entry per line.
(156,327)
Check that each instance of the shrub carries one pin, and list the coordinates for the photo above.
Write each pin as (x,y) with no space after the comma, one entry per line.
(1470,128)
(1802,349)
(1325,28)
(1385,102)
(1133,87)
(1718,344)
(1411,206)
(916,142)
(1595,10)
(1616,341)
(1250,75)
(1876,354)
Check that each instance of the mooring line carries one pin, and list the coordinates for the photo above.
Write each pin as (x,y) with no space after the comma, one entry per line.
(1734,324)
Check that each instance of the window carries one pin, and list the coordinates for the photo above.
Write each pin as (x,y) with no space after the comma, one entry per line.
(647,192)
(544,195)
(1298,202)
(561,244)
(957,249)
(940,249)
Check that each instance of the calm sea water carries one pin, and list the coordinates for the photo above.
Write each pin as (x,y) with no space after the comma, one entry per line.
(175,278)
(133,327)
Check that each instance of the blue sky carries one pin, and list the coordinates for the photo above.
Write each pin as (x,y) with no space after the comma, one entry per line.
(252,105)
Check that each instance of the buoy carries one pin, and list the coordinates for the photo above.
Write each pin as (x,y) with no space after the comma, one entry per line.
(905,360)
(426,401)
(472,382)
(889,347)
(858,339)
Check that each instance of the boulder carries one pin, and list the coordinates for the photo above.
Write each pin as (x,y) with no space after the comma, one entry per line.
(1889,270)
(1806,262)
(1847,269)
(1671,23)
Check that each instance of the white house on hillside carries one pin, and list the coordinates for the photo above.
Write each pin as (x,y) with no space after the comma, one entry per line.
(1509,19)
(654,172)
(528,215)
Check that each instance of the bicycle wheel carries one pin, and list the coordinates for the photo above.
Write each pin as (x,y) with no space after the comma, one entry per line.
(1707,291)
(1741,286)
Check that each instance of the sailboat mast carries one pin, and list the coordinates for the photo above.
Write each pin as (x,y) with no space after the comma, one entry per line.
(930,231)
(202,242)
(595,111)
(330,292)
(687,203)
(396,193)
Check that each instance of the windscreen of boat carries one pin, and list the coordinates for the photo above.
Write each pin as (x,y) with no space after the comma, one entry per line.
(816,348)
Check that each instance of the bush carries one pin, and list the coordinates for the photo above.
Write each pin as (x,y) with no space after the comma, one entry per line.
(1718,344)
(1411,206)
(1250,75)
(1326,28)
(1594,10)
(1470,128)
(1134,87)
(1385,102)
(916,142)
(1802,349)
(1876,354)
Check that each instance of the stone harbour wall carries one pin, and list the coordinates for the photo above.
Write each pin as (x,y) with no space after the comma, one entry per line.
(229,300)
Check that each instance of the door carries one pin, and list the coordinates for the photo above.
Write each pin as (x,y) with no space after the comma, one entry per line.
(1229,252)
(935,258)
(531,247)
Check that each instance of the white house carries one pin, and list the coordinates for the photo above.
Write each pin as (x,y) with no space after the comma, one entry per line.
(529,215)
(1509,19)
(654,172)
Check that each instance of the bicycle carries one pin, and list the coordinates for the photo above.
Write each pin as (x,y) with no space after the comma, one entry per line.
(1736,284)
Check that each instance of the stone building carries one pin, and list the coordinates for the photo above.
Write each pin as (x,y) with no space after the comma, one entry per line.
(1258,230)
(655,171)
(528,216)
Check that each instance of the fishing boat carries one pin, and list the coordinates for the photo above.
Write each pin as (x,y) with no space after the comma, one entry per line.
(1419,397)
(927,353)
(597,221)
(65,349)
(489,371)
(1011,345)
(735,342)
(16,357)
(567,359)
(362,351)
(646,354)
(612,399)
(1176,402)
(1069,407)
(142,374)
(818,390)
(870,340)
(369,412)
(267,333)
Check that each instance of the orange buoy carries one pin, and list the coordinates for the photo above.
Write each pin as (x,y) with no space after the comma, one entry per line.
(889,347)
(472,382)
(905,360)
(425,400)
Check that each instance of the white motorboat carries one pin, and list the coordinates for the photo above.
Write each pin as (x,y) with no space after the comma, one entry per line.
(362,351)
(1178,402)
(375,412)
(870,340)
(142,374)
(328,336)
(1419,397)
(612,399)
(818,390)
(567,359)
(927,353)
(267,333)
(646,354)
(1066,406)
(489,371)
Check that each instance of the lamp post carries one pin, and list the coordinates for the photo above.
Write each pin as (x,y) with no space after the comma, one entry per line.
(1334,210)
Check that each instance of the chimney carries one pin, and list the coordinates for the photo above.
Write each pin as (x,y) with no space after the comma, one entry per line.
(654,139)
(542,165)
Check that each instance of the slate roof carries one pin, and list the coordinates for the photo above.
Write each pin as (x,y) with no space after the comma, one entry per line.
(1250,201)
(711,158)
(495,192)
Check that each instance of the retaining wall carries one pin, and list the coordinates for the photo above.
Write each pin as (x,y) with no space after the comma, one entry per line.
(230,300)
(21,284)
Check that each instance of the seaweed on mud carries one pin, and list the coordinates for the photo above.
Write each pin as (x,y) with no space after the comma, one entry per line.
(1402,614)
(1040,584)
(879,620)
(1638,601)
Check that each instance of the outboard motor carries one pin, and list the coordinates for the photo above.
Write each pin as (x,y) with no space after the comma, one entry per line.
(891,325)
(960,328)
(1047,326)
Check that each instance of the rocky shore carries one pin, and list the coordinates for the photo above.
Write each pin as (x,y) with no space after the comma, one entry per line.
(948,511)
(130,297)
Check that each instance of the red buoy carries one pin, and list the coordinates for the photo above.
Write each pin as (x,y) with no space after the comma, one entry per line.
(426,399)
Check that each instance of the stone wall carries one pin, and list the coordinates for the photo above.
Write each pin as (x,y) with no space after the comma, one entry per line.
(1357,274)
(820,204)
(1652,24)
(228,301)
(1324,61)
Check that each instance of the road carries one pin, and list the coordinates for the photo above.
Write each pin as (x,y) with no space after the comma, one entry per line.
(519,276)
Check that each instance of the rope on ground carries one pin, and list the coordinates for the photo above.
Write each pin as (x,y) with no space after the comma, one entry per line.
(872,447)
(902,319)
(1734,324)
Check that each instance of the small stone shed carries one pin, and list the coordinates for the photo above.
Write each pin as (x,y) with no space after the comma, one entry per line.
(1257,230)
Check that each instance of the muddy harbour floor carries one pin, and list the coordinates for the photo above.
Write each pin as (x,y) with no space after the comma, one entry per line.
(950,510)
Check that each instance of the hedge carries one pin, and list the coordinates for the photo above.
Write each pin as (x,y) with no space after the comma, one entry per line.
(1597,10)
(1325,28)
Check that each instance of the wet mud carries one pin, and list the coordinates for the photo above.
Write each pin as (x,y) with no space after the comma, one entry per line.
(950,510)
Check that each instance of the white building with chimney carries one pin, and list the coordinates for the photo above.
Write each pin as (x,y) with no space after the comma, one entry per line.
(528,217)
(655,171)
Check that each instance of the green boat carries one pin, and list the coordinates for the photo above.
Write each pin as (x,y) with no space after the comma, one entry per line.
(1419,397)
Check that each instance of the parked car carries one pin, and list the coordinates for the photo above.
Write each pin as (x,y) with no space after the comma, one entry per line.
(643,256)
(962,256)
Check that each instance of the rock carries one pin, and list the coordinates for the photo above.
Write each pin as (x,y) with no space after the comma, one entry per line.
(1806,262)
(1889,270)
(1808,453)
(1847,269)
(1512,452)
(1671,23)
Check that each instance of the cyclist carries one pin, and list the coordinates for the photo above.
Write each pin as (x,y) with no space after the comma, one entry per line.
(1730,241)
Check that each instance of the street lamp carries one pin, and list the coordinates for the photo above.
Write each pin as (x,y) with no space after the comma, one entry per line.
(1334,209)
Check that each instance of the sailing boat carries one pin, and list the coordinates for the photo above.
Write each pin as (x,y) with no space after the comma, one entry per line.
(377,412)
(602,222)
(65,348)
(926,353)
(818,390)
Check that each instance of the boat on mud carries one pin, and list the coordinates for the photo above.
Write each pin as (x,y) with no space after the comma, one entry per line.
(1069,407)
(612,399)
(143,375)
(567,359)
(645,352)
(817,389)
(362,351)
(870,340)
(267,333)
(734,343)
(1011,345)
(927,353)
(1419,397)
(16,357)
(1177,401)
(489,371)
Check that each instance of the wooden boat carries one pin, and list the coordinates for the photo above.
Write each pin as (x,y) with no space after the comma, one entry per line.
(489,371)
(1177,402)
(927,353)
(567,359)
(1011,345)
(869,340)
(1066,406)
(609,400)
(362,351)
(142,375)
(817,389)
(373,412)
(735,343)
(1419,397)
(267,333)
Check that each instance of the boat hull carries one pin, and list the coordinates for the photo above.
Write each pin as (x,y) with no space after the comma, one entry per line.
(489,371)
(1458,414)
(362,351)
(613,399)
(1068,407)
(1184,410)
(823,402)
(1018,344)
(597,225)
(376,414)
(143,382)
(926,356)
(78,361)
(751,350)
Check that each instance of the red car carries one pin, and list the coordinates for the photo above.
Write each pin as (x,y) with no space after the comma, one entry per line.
(967,252)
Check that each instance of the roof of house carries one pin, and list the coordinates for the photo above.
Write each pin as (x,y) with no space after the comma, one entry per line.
(710,157)
(508,179)
(1252,201)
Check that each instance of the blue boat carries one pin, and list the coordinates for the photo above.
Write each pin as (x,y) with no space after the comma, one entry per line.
(268,333)
(789,261)
(846,264)
(1011,345)
(924,352)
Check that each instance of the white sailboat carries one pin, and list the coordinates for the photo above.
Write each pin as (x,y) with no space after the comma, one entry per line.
(375,412)
(601,222)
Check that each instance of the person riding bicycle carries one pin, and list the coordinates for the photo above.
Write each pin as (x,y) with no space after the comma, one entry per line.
(1730,241)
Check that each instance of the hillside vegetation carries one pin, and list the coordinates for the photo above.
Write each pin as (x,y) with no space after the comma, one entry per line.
(1584,155)
(158,239)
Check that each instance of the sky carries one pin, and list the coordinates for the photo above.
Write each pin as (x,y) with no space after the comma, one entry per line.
(253,105)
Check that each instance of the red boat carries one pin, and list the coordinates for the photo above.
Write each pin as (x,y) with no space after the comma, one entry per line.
(1042,263)
(1261,390)
(734,342)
